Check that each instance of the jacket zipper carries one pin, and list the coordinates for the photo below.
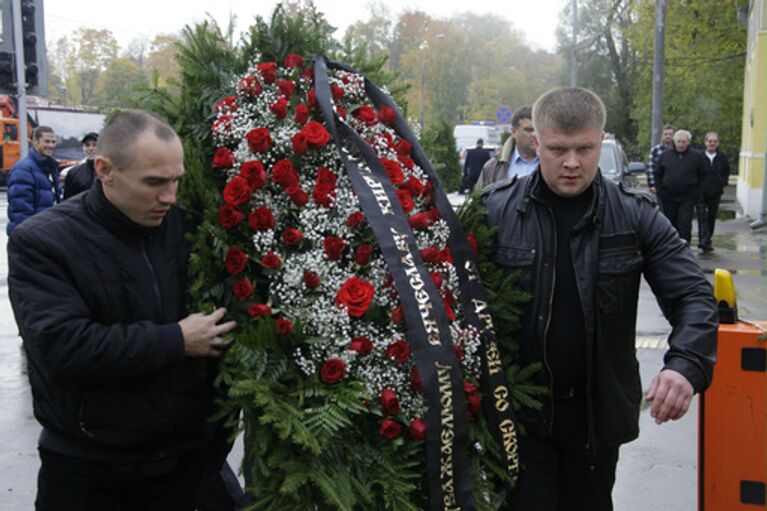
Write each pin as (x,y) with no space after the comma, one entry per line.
(155,284)
(550,427)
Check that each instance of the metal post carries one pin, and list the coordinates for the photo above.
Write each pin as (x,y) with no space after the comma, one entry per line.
(21,82)
(762,220)
(423,65)
(658,71)
(573,61)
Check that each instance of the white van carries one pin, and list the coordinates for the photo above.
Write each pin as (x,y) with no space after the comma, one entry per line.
(466,136)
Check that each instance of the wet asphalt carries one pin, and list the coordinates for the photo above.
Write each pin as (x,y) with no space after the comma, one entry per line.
(656,471)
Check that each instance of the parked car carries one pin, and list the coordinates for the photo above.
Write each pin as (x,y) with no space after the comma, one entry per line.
(615,165)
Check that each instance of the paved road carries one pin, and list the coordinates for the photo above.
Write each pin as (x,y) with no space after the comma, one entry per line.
(657,471)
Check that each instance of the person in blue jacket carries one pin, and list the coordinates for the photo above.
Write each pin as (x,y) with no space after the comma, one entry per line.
(33,184)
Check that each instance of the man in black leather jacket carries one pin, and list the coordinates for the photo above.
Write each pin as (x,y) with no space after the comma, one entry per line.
(580,244)
(80,177)
(121,376)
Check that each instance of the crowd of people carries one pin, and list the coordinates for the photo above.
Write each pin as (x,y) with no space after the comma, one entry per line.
(122,373)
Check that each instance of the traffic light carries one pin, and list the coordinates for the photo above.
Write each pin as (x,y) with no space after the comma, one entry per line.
(33,30)
(7,73)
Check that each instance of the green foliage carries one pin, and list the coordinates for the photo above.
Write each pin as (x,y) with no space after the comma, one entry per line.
(439,144)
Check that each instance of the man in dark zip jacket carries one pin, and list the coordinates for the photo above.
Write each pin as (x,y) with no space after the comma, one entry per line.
(580,244)
(121,375)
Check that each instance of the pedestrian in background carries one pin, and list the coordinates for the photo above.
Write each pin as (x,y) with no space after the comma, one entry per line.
(80,177)
(666,143)
(33,183)
(517,157)
(472,165)
(716,172)
(121,374)
(678,180)
(580,245)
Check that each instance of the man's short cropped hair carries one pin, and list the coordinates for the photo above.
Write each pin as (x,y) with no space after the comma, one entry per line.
(522,113)
(39,131)
(714,133)
(569,110)
(668,127)
(682,134)
(119,136)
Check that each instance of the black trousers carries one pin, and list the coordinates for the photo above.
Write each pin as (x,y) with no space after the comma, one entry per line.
(560,473)
(83,485)
(707,210)
(679,212)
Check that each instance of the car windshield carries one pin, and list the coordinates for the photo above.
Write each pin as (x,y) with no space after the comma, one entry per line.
(608,164)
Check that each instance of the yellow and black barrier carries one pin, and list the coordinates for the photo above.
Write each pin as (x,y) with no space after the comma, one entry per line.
(732,431)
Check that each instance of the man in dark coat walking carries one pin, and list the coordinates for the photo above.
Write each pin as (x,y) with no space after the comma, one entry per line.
(716,172)
(472,165)
(81,176)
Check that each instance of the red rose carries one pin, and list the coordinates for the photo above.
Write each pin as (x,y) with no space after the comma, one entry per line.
(407,162)
(228,103)
(337,92)
(284,174)
(311,279)
(292,237)
(222,125)
(259,140)
(323,194)
(437,279)
(474,403)
(473,245)
(293,60)
(316,134)
(334,247)
(332,370)
(257,310)
(451,317)
(237,192)
(415,379)
(415,187)
(249,86)
(283,326)
(449,298)
(431,255)
(387,115)
(357,295)
(446,256)
(308,74)
(261,219)
(469,388)
(418,429)
(405,200)
(458,349)
(268,71)
(420,220)
(363,253)
(254,173)
(393,169)
(302,114)
(326,176)
(403,148)
(229,216)
(397,315)
(242,288)
(365,114)
(398,350)
(287,87)
(236,260)
(279,108)
(341,112)
(300,146)
(311,98)
(296,194)
(389,429)
(271,261)
(355,219)
(389,402)
(362,345)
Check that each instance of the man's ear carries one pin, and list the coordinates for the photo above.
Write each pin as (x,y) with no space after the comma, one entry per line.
(534,139)
(104,169)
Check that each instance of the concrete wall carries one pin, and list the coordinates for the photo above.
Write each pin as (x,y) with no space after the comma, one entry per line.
(754,132)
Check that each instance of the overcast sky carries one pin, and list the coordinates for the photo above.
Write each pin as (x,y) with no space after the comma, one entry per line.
(128,20)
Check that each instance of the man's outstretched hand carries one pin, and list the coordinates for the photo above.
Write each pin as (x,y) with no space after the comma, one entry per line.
(202,334)
(670,394)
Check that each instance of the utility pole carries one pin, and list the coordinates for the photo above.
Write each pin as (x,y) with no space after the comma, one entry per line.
(21,81)
(573,62)
(658,71)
